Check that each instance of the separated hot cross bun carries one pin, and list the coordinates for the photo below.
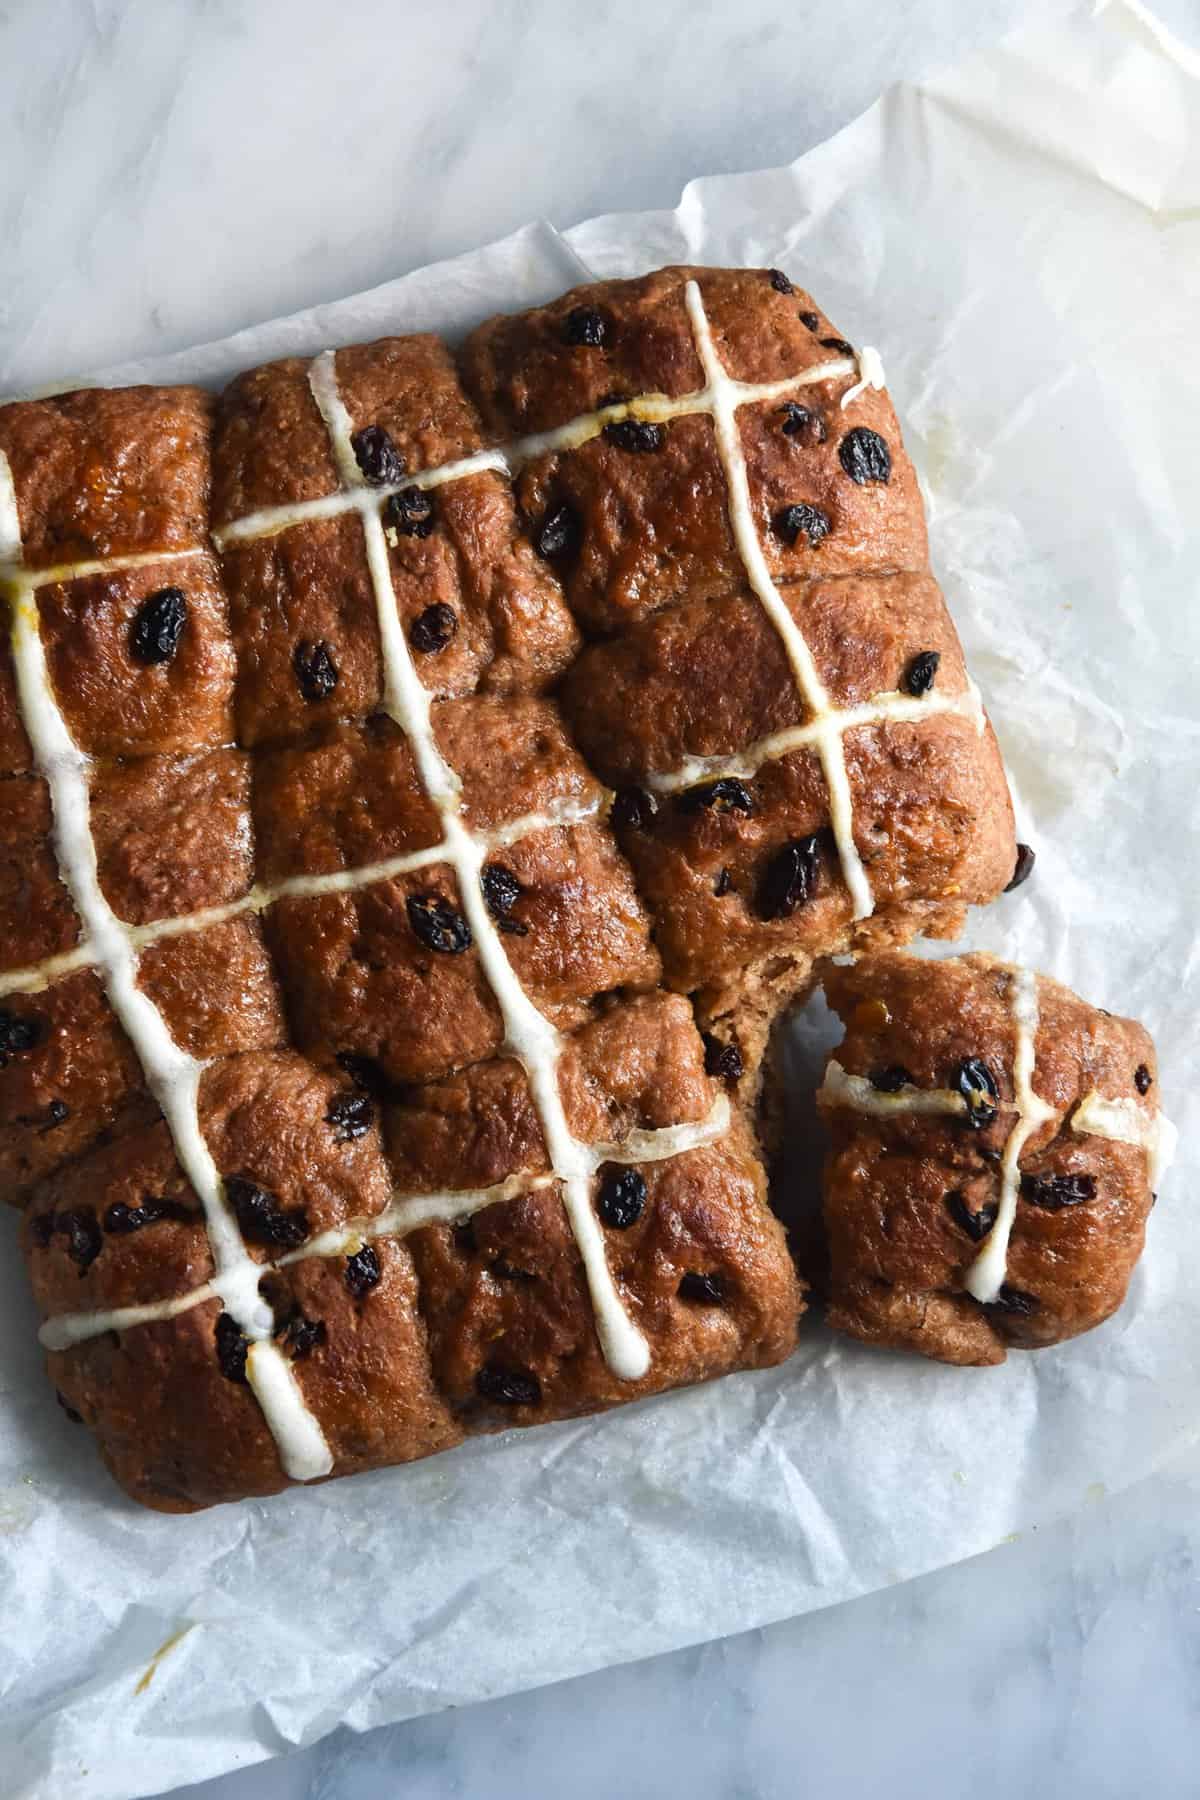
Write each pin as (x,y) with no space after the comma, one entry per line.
(997,1146)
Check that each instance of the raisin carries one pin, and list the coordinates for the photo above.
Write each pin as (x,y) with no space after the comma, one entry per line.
(410,512)
(810,320)
(351,1115)
(502,890)
(726,795)
(1013,1300)
(789,879)
(838,344)
(707,1290)
(56,1114)
(977,1085)
(364,1072)
(83,1235)
(722,1059)
(891,1079)
(865,457)
(614,397)
(362,1271)
(801,520)
(921,672)
(437,924)
(1026,858)
(975,1224)
(633,807)
(508,1387)
(1053,1192)
(122,1221)
(42,1229)
(232,1348)
(622,1197)
(1143,1080)
(634,434)
(157,626)
(75,1417)
(315,670)
(802,422)
(377,456)
(260,1216)
(585,328)
(301,1336)
(559,532)
(723,884)
(780,282)
(433,629)
(17,1035)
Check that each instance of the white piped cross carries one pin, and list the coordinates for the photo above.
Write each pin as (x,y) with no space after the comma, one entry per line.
(1121,1120)
(112,946)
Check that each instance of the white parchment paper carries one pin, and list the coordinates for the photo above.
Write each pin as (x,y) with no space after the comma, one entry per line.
(1021,240)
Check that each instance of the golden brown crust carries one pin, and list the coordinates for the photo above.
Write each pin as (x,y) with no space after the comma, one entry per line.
(873,525)
(16,757)
(37,918)
(512,631)
(409,387)
(175,1434)
(272,445)
(77,1079)
(392,1370)
(274,1120)
(902,1193)
(369,1378)
(305,587)
(508,1293)
(352,1053)
(116,705)
(347,796)
(78,1256)
(172,833)
(360,982)
(310,584)
(109,472)
(652,527)
(525,376)
(216,989)
(513,757)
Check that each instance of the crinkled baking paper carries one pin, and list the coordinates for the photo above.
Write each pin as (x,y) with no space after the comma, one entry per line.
(1020,239)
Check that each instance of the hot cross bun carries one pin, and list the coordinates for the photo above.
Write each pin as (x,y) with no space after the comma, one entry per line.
(429,772)
(997,1146)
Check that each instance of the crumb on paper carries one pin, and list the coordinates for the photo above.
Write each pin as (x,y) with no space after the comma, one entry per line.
(163,1651)
(17,1511)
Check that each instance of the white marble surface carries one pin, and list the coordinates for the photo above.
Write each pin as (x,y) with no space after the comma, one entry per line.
(1059,1667)
(292,159)
(169,172)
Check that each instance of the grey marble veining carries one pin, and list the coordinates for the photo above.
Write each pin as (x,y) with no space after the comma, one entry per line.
(169,172)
